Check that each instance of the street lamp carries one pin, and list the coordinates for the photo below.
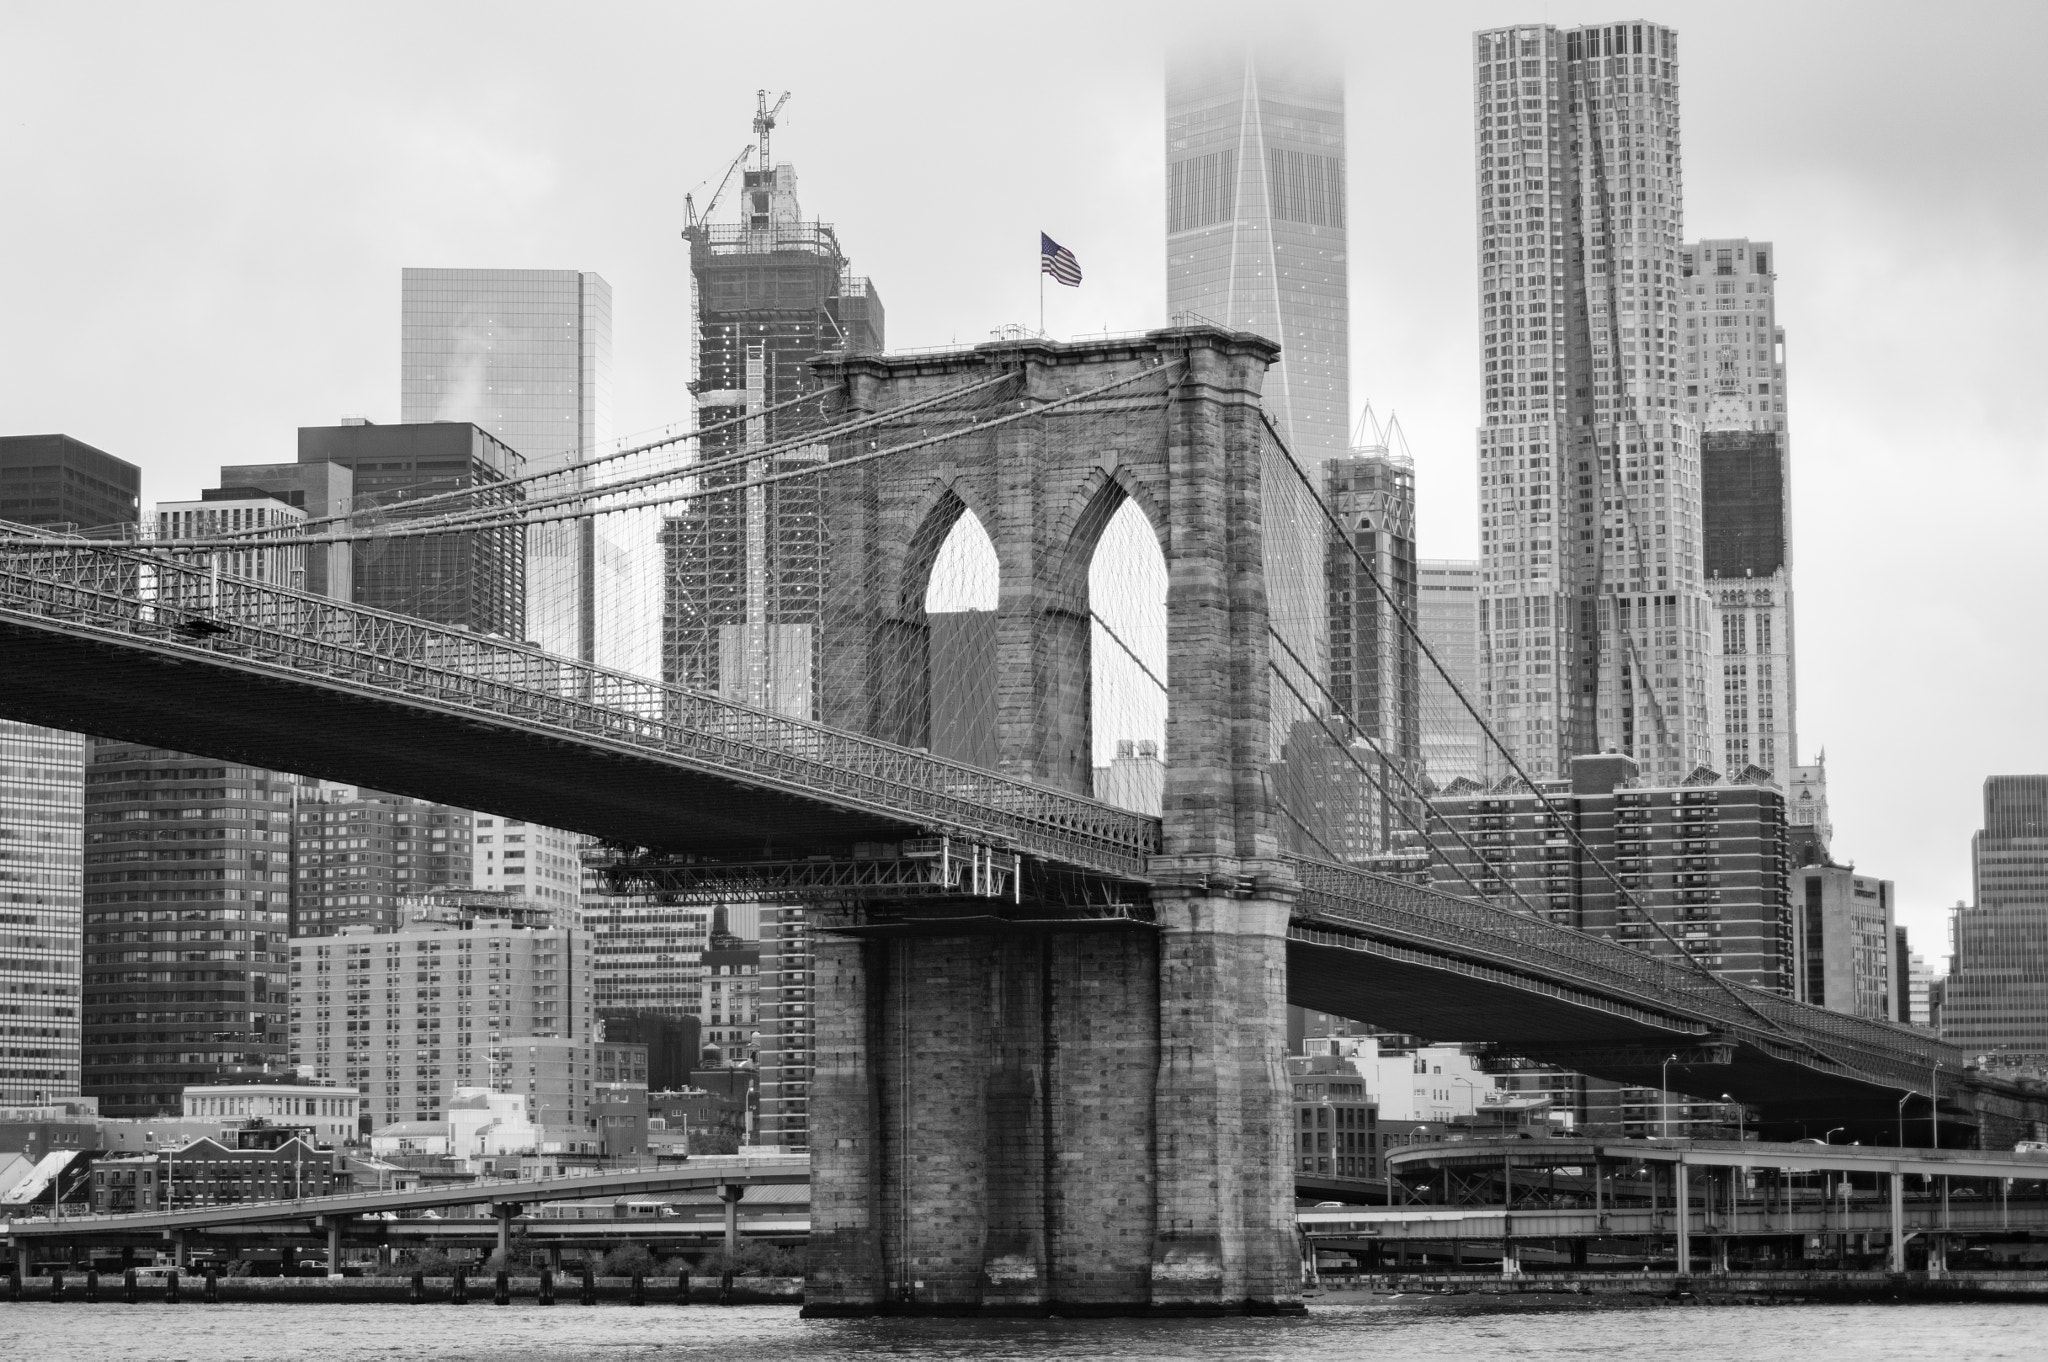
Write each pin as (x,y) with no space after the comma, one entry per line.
(1664,1093)
(1904,1098)
(1741,1119)
(1934,1105)
(1829,1138)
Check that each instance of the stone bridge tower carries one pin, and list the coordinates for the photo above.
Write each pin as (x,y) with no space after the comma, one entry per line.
(1047,1111)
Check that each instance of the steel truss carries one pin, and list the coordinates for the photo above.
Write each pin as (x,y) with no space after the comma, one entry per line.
(184,607)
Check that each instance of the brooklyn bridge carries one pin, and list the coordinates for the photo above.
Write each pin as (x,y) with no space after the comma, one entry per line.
(1049,1030)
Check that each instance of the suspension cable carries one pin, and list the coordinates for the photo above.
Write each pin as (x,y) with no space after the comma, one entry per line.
(1397,767)
(1622,891)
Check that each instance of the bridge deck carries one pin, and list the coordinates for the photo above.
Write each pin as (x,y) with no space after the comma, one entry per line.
(136,646)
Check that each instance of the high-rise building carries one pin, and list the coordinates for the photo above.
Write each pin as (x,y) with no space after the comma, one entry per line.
(1705,861)
(526,355)
(1919,992)
(1595,622)
(55,481)
(324,491)
(41,882)
(743,569)
(408,1016)
(48,481)
(1806,802)
(187,912)
(1255,224)
(1447,617)
(245,513)
(786,993)
(358,852)
(1734,379)
(1373,658)
(1843,925)
(647,953)
(543,863)
(730,998)
(1996,997)
(472,579)
(1375,681)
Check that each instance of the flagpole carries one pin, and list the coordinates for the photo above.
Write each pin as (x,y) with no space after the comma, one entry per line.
(1041,298)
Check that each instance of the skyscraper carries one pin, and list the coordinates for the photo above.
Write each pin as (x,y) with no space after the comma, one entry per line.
(47,481)
(527,355)
(1255,224)
(1369,584)
(1447,617)
(41,878)
(743,568)
(356,853)
(1595,620)
(1997,992)
(473,579)
(187,914)
(1735,389)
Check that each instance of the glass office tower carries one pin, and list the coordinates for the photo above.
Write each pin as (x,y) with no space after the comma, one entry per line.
(41,813)
(1996,1002)
(527,355)
(58,482)
(1255,235)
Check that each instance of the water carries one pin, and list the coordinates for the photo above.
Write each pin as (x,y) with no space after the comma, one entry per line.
(1392,1330)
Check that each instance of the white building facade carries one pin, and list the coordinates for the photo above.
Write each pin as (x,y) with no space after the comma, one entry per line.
(409,1016)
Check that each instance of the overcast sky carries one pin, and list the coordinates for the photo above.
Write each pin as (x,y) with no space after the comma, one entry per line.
(204,209)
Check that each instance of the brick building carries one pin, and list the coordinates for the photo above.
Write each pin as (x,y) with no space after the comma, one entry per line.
(260,1163)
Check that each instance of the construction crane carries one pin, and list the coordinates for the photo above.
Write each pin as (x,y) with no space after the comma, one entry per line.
(764,124)
(691,222)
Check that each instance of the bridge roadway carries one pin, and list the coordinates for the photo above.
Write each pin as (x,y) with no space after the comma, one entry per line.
(100,638)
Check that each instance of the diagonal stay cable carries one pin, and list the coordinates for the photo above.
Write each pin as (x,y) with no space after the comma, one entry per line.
(1128,651)
(477,519)
(737,459)
(1378,751)
(520,480)
(411,529)
(1335,856)
(1770,1024)
(1343,747)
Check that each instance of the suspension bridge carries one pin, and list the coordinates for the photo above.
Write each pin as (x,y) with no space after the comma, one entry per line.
(1047,1027)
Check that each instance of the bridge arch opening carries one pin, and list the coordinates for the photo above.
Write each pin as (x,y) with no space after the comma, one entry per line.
(962,586)
(1128,657)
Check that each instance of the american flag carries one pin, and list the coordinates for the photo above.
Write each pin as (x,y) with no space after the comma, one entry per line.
(1057,261)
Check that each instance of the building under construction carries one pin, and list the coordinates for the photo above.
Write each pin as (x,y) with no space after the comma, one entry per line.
(768,293)
(743,569)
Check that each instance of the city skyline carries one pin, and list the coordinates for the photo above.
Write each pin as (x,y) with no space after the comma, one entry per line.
(335,286)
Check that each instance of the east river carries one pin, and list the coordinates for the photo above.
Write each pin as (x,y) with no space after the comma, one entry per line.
(1397,1329)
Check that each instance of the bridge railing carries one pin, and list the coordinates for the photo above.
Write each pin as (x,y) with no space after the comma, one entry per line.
(1519,941)
(187,604)
(1425,915)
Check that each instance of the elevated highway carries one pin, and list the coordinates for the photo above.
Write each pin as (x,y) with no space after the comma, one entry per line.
(504,1195)
(1699,1191)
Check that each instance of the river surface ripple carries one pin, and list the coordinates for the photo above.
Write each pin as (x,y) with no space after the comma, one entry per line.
(40,1332)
